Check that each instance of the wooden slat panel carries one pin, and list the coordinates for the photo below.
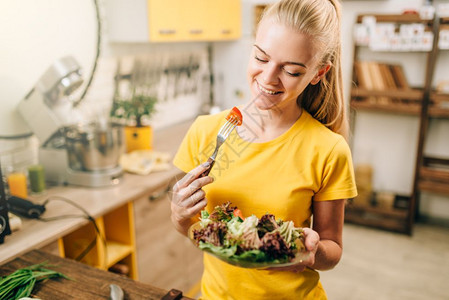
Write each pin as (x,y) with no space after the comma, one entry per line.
(382,223)
(439,97)
(407,101)
(439,105)
(387,219)
(438,112)
(400,108)
(431,174)
(433,187)
(428,161)
(407,94)
(407,18)
(395,213)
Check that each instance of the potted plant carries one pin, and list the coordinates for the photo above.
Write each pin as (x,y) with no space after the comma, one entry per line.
(135,113)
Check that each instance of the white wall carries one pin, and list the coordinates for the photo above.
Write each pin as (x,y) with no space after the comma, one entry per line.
(34,34)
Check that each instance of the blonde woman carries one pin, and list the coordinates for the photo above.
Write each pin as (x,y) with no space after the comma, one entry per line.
(289,158)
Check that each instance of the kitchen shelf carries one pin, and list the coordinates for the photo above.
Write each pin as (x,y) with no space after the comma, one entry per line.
(115,241)
(117,252)
(434,175)
(406,102)
(438,112)
(384,212)
(392,18)
(396,108)
(388,219)
(439,97)
(408,94)
(433,187)
(395,101)
(383,88)
(439,105)
(399,101)
(431,174)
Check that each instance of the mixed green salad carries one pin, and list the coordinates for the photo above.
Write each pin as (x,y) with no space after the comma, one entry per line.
(226,233)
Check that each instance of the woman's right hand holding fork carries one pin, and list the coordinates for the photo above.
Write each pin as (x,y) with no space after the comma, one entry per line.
(188,198)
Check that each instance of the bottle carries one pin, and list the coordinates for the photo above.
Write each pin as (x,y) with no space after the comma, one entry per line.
(37,178)
(18,184)
(427,11)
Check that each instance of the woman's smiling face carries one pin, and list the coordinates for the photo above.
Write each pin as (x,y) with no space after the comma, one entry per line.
(283,62)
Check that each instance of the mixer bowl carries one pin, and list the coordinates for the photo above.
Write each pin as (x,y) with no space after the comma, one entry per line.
(91,147)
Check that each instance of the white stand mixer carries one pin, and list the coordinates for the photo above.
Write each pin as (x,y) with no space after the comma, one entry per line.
(71,152)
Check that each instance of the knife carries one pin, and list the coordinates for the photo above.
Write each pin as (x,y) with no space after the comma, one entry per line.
(116,292)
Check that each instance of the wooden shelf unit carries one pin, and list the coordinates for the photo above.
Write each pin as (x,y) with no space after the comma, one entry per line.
(113,243)
(431,174)
(408,102)
(394,18)
(389,219)
(434,175)
(439,105)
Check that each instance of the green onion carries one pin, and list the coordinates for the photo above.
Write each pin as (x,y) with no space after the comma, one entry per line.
(21,283)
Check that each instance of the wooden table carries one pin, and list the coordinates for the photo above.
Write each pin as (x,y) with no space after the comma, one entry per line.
(88,282)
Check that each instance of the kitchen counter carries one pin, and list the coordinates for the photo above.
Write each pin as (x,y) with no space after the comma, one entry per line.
(87,282)
(96,201)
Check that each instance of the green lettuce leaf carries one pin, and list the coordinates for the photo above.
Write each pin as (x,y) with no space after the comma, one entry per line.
(251,256)
(218,250)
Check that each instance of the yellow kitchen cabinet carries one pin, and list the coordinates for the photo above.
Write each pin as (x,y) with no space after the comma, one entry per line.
(225,19)
(164,20)
(112,242)
(194,20)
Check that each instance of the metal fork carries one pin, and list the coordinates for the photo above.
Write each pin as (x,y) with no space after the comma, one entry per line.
(222,135)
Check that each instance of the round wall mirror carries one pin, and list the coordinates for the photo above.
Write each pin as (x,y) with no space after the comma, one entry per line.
(34,35)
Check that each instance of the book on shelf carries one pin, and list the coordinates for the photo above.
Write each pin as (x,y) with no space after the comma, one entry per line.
(363,77)
(376,76)
(399,77)
(378,81)
(380,76)
(387,76)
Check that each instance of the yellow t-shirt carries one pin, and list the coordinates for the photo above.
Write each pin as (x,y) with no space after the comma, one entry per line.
(307,163)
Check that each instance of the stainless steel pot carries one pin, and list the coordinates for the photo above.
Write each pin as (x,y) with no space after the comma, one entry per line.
(92,147)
